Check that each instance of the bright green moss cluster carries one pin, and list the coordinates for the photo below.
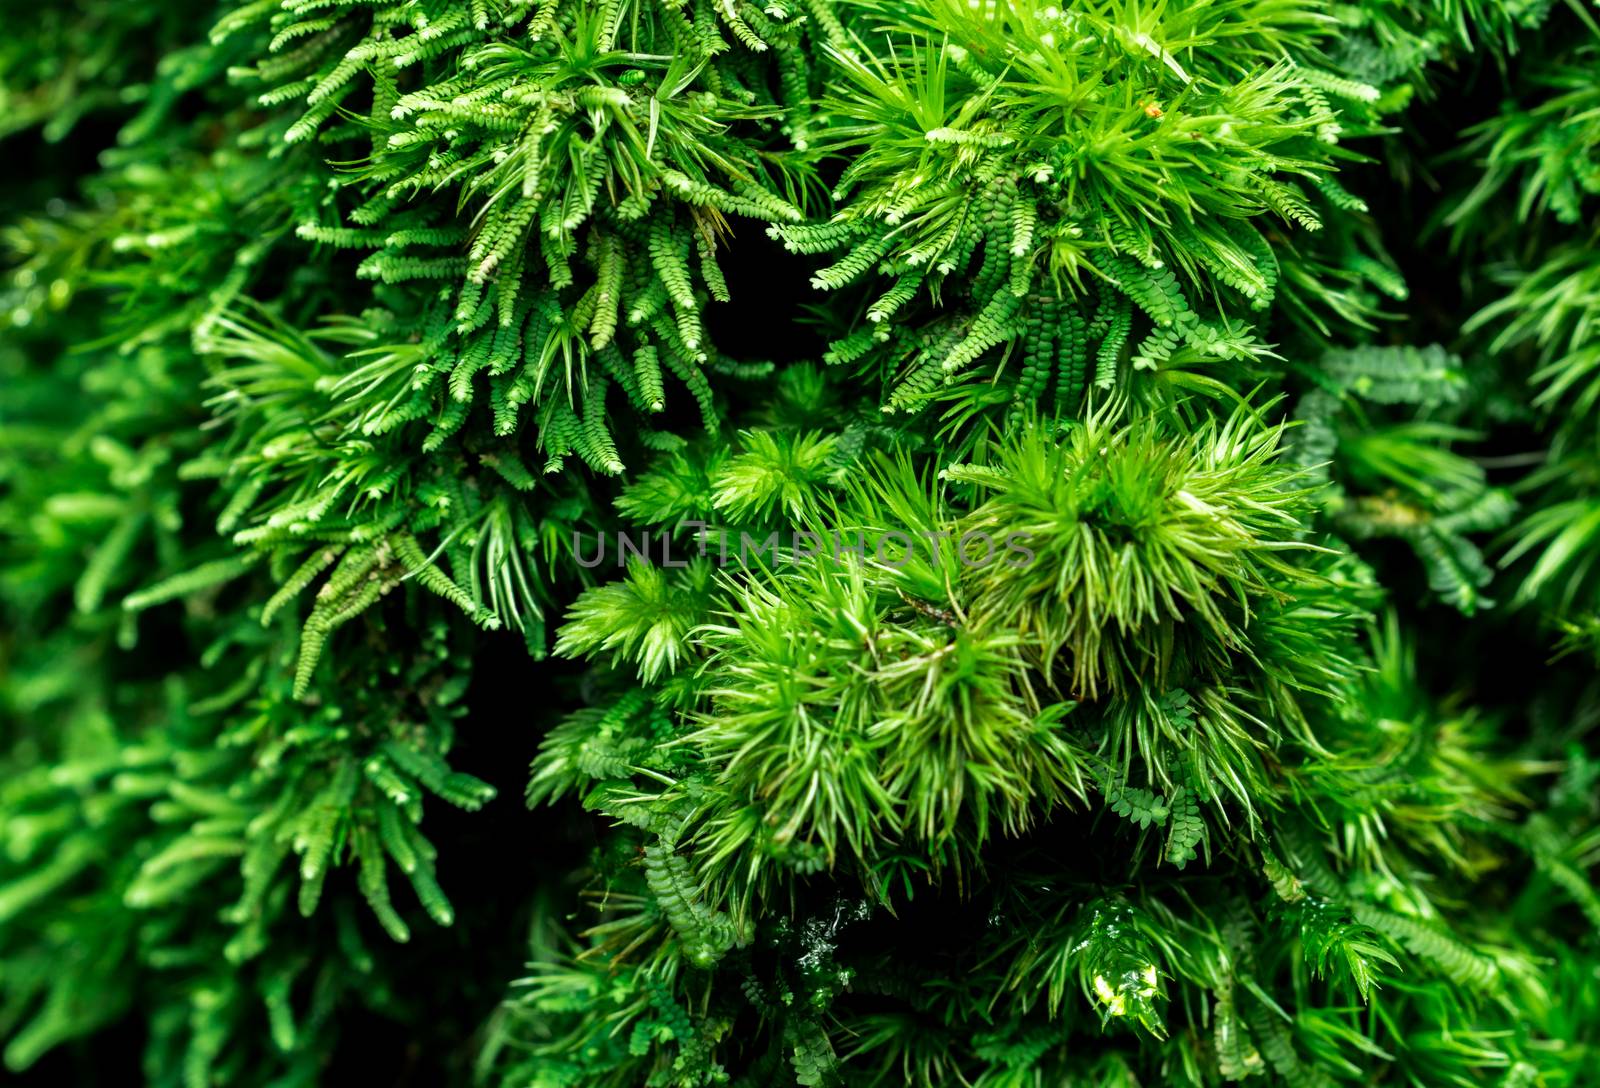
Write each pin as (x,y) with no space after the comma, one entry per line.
(1127,615)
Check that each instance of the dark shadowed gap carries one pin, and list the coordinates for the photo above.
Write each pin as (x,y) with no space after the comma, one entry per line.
(770,289)
(491,862)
